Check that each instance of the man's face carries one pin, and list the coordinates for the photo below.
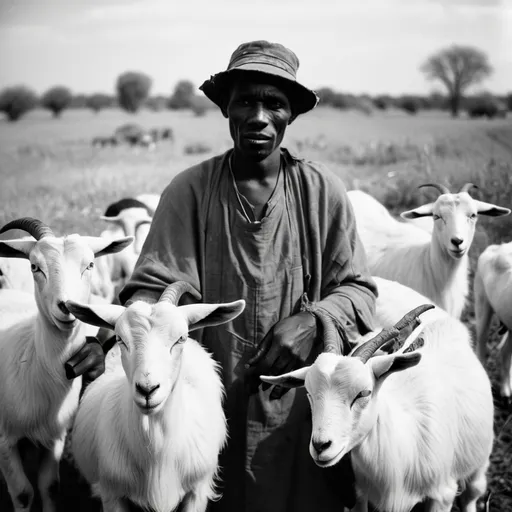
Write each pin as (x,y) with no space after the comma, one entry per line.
(258,115)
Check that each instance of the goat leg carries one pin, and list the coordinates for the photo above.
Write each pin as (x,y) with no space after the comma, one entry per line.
(20,489)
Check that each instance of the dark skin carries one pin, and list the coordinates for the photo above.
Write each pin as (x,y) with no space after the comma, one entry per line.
(258,113)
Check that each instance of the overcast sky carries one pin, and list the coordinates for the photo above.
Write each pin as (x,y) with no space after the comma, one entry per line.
(373,46)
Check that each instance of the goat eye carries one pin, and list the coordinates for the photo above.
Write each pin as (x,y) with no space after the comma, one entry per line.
(472,216)
(435,217)
(182,339)
(363,394)
(90,266)
(121,342)
(34,268)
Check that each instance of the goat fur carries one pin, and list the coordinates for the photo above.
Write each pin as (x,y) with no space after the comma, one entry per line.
(404,252)
(425,429)
(162,459)
(493,296)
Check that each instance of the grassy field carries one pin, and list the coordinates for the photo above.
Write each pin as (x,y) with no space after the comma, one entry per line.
(49,170)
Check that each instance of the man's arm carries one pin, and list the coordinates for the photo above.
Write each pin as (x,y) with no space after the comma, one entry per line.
(171,250)
(348,292)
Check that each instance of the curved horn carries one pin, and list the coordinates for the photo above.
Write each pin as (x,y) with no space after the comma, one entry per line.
(365,351)
(443,189)
(330,333)
(175,290)
(35,227)
(467,187)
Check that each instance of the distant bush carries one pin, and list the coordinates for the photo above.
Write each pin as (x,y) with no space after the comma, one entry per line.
(325,96)
(436,101)
(383,102)
(486,106)
(98,101)
(16,101)
(200,105)
(156,103)
(56,99)
(132,90)
(410,104)
(196,148)
(183,95)
(508,101)
(78,101)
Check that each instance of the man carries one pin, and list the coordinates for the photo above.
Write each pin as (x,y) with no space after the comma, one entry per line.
(261,224)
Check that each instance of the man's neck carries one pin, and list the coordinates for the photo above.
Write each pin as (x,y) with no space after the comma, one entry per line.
(245,169)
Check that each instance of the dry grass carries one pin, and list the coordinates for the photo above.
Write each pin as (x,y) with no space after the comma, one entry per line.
(49,170)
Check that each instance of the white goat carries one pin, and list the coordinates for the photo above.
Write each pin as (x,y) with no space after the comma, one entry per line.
(150,200)
(37,336)
(436,265)
(417,424)
(127,217)
(493,295)
(152,435)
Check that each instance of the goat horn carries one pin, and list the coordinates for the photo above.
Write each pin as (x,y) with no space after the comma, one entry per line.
(174,291)
(32,226)
(330,333)
(443,189)
(467,187)
(365,351)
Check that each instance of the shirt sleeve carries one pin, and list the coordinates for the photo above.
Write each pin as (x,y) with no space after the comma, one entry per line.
(348,292)
(171,250)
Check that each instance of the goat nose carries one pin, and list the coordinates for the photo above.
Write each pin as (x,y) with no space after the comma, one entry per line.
(321,446)
(62,306)
(146,391)
(457,241)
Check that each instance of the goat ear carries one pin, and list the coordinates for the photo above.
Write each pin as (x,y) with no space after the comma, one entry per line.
(293,379)
(16,248)
(490,209)
(422,211)
(101,246)
(207,315)
(384,366)
(100,315)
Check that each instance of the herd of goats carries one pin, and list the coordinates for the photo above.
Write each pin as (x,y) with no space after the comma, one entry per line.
(418,419)
(134,136)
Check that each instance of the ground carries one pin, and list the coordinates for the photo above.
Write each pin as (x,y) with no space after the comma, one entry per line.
(49,170)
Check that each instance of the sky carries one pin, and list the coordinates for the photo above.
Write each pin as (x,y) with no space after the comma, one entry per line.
(353,46)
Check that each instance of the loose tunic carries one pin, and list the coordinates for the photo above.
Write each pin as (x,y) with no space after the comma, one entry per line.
(306,242)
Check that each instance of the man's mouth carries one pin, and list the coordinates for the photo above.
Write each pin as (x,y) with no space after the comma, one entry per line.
(256,137)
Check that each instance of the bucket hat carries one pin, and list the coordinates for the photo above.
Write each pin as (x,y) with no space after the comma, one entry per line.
(270,59)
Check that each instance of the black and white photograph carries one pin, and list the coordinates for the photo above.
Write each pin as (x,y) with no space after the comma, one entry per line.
(255,256)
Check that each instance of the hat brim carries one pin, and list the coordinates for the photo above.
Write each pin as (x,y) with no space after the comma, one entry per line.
(302,99)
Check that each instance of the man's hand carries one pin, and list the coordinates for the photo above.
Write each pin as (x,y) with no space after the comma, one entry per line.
(89,361)
(286,347)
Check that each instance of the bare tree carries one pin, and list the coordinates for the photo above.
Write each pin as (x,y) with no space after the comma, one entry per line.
(457,67)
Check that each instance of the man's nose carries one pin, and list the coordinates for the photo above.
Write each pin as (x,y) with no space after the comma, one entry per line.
(259,115)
